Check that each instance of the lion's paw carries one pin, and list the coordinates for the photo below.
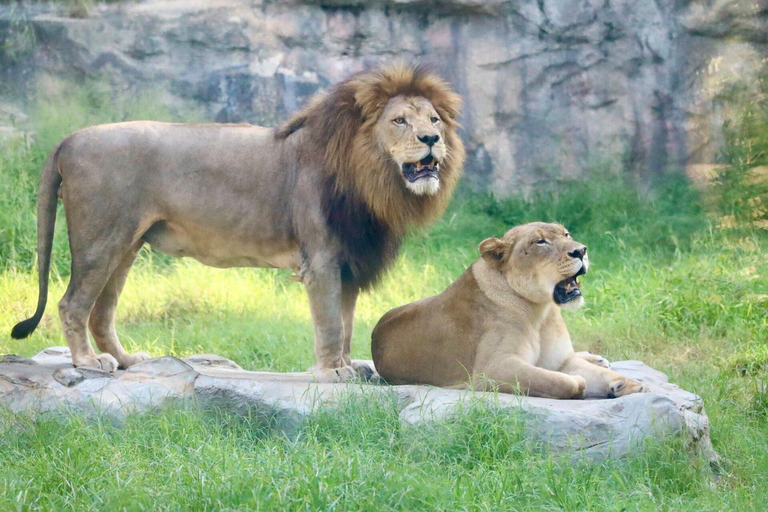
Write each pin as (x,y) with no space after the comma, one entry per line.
(324,375)
(625,386)
(102,362)
(129,360)
(365,371)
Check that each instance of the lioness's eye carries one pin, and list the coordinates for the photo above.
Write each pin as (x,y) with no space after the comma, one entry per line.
(541,241)
(567,235)
(400,121)
(434,119)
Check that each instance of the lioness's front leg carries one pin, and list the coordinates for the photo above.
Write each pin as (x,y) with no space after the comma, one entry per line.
(513,375)
(323,283)
(602,382)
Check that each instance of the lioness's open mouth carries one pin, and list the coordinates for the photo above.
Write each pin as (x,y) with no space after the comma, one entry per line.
(427,167)
(568,289)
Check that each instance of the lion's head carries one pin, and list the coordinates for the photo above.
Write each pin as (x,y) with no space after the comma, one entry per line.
(411,131)
(541,262)
(388,137)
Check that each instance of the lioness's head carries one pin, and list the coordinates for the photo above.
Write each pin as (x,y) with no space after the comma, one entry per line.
(541,262)
(411,131)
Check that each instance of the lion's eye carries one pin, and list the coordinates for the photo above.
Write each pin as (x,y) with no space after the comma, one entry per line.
(541,241)
(399,121)
(434,119)
(567,235)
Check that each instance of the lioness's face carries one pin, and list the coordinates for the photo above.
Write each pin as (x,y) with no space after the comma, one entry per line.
(541,262)
(410,131)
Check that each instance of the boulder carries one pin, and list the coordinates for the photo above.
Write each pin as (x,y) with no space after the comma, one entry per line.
(49,384)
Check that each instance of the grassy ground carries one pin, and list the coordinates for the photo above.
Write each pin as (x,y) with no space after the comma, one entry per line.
(665,286)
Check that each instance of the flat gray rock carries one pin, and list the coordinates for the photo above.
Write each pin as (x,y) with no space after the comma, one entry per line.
(49,384)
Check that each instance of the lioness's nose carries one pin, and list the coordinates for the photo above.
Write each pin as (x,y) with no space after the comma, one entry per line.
(578,253)
(429,140)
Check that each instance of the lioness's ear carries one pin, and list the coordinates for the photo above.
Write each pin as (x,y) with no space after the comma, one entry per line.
(495,251)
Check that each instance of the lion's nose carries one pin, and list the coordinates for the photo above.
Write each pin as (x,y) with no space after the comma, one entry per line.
(578,253)
(429,140)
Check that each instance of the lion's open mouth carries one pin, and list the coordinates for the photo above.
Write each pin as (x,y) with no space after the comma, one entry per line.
(568,289)
(427,167)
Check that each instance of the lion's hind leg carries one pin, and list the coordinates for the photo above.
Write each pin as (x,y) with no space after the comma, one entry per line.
(89,275)
(102,319)
(98,249)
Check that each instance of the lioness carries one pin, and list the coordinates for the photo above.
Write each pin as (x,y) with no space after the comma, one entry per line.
(329,194)
(499,325)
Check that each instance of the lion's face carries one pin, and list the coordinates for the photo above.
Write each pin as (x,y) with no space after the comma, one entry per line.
(411,132)
(541,262)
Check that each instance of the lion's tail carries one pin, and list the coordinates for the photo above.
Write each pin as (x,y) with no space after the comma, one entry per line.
(47,200)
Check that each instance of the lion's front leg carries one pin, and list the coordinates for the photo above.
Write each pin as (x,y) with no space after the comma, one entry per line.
(349,295)
(348,302)
(602,382)
(323,283)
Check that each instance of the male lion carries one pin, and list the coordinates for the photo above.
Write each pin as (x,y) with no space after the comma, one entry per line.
(499,325)
(329,194)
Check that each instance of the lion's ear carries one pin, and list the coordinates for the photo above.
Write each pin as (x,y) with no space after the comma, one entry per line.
(369,98)
(448,105)
(495,251)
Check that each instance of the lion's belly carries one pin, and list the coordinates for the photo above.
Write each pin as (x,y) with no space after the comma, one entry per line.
(221,250)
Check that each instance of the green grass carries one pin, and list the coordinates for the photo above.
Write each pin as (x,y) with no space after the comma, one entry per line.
(358,459)
(665,287)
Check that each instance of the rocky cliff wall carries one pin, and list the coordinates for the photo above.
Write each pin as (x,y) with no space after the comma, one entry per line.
(552,87)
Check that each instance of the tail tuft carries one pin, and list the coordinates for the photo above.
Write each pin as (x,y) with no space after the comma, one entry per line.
(23,329)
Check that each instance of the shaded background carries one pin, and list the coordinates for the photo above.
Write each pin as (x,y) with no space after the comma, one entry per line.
(552,87)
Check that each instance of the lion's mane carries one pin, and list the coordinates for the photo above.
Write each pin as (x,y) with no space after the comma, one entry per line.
(365,200)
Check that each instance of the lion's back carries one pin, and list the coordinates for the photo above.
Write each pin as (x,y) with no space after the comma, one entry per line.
(151,150)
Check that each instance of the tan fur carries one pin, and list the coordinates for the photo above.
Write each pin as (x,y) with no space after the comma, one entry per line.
(498,327)
(325,195)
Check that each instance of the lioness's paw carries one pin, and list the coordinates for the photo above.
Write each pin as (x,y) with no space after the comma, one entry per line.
(129,360)
(332,375)
(594,359)
(625,386)
(102,362)
(580,386)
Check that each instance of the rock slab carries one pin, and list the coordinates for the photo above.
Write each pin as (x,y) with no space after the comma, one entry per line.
(49,384)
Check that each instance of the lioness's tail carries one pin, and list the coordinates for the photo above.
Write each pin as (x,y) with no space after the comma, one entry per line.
(47,200)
